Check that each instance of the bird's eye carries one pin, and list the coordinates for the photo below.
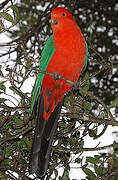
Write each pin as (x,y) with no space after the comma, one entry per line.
(63,14)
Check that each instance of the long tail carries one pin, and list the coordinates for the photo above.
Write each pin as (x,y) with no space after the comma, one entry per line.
(43,136)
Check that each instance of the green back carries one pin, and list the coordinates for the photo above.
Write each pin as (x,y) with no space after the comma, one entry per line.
(46,55)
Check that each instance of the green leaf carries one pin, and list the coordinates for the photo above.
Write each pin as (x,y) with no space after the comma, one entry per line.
(1,73)
(19,62)
(62,124)
(6,16)
(114,103)
(60,178)
(86,81)
(90,173)
(56,173)
(2,86)
(0,67)
(22,161)
(9,152)
(15,9)
(92,132)
(115,147)
(98,170)
(102,115)
(87,105)
(104,170)
(27,2)
(77,160)
(93,160)
(74,140)
(2,100)
(7,162)
(59,141)
(17,19)
(65,175)
(8,69)
(76,134)
(81,143)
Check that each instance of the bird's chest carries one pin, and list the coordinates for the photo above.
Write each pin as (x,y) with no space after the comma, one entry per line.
(67,62)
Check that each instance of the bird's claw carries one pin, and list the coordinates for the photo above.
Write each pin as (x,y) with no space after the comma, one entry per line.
(75,85)
(56,76)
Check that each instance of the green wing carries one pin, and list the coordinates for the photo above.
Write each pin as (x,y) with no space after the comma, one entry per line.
(47,54)
(86,60)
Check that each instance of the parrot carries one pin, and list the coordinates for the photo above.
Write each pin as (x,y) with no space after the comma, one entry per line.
(64,53)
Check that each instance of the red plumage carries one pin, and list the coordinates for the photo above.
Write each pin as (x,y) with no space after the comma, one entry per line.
(68,59)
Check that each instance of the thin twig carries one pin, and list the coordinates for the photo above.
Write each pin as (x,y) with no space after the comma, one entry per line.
(78,150)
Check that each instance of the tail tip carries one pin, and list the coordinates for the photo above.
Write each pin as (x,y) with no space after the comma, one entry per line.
(41,173)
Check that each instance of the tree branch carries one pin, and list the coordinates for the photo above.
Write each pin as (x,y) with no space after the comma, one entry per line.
(23,132)
(85,93)
(3,4)
(79,150)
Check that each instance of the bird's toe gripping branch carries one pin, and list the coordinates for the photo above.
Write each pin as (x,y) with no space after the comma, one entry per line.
(75,85)
(56,76)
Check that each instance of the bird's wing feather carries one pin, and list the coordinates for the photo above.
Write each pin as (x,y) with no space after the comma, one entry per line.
(47,53)
(86,60)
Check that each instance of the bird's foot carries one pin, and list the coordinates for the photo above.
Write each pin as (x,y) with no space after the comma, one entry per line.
(75,85)
(56,76)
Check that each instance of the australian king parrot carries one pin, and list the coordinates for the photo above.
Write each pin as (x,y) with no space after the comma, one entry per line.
(65,54)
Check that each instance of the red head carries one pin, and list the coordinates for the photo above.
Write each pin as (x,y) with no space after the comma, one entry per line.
(59,17)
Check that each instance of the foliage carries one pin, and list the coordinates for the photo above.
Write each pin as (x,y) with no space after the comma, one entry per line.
(87,107)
